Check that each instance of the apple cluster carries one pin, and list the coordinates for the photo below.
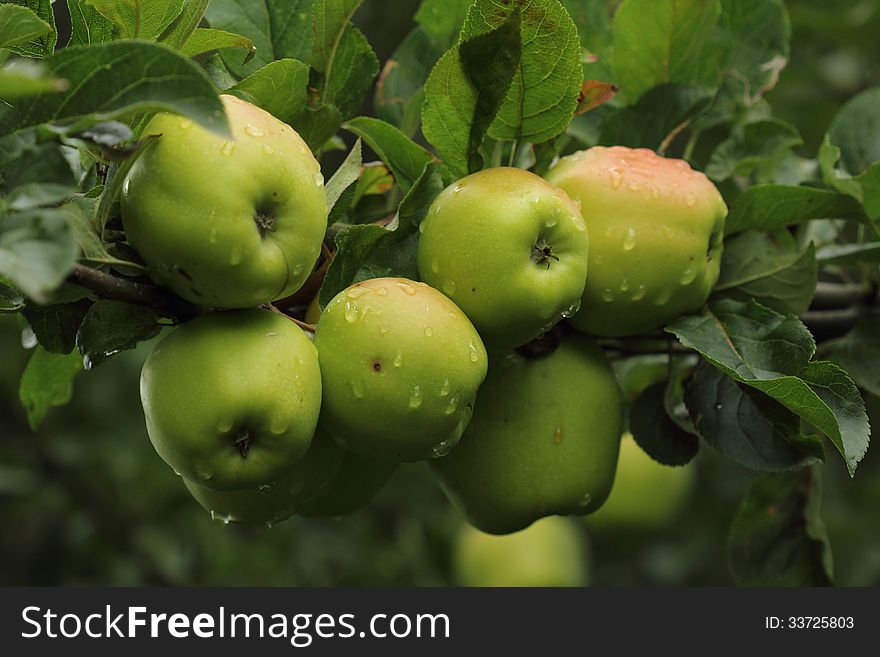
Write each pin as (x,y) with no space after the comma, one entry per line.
(469,368)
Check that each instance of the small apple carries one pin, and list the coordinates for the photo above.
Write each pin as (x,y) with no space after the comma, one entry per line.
(646,495)
(551,552)
(401,365)
(232,398)
(543,439)
(509,249)
(656,231)
(276,501)
(226,224)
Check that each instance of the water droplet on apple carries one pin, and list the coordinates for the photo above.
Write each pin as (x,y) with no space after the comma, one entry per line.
(185,124)
(457,189)
(356,292)
(688,275)
(629,239)
(667,231)
(449,288)
(435,265)
(398,359)
(634,186)
(357,388)
(28,338)
(253,130)
(279,426)
(318,178)
(444,390)
(212,238)
(607,294)
(655,192)
(383,329)
(265,489)
(609,232)
(451,407)
(125,186)
(228,148)
(422,227)
(474,354)
(572,310)
(442,448)
(381,291)
(639,294)
(267,149)
(351,312)
(87,363)
(664,297)
(297,270)
(557,435)
(624,285)
(585,502)
(406,287)
(415,398)
(691,200)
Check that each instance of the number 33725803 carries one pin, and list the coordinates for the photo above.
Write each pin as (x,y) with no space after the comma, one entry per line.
(820,622)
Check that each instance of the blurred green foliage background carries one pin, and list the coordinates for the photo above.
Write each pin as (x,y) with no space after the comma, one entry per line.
(86,500)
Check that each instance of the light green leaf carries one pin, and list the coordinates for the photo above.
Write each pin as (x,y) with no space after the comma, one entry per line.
(26,77)
(347,173)
(404,157)
(279,88)
(20,24)
(41,46)
(205,40)
(139,19)
(750,146)
(112,326)
(186,23)
(442,19)
(47,381)
(87,25)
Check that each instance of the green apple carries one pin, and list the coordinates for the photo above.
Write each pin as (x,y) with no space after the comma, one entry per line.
(551,552)
(228,224)
(656,230)
(355,483)
(280,499)
(509,249)
(401,365)
(232,398)
(646,494)
(543,439)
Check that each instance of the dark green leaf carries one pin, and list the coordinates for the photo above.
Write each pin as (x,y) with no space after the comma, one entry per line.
(856,131)
(159,80)
(370,251)
(56,325)
(279,29)
(849,254)
(317,126)
(47,381)
(400,89)
(656,433)
(769,268)
(768,207)
(186,23)
(25,161)
(113,326)
(771,353)
(778,537)
(11,300)
(859,352)
(752,431)
(37,251)
(87,25)
(750,146)
(404,157)
(442,19)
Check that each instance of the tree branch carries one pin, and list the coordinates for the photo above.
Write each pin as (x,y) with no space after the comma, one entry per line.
(120,289)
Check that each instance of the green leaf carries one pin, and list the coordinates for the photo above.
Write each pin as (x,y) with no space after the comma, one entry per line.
(317,126)
(771,353)
(38,195)
(56,325)
(751,145)
(279,29)
(345,176)
(858,352)
(657,41)
(856,131)
(204,40)
(342,56)
(160,80)
(41,46)
(47,381)
(404,157)
(139,19)
(659,114)
(593,20)
(25,161)
(870,184)
(80,213)
(769,268)
(849,254)
(186,23)
(11,300)
(113,326)
(113,189)
(768,207)
(37,251)
(778,537)
(751,430)
(279,88)
(26,77)
(20,24)
(400,89)
(657,433)
(442,19)
(370,251)
(87,25)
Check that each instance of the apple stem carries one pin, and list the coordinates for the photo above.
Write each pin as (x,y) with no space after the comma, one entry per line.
(119,289)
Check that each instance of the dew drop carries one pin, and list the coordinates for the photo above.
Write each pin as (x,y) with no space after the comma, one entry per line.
(398,359)
(585,502)
(185,124)
(639,294)
(203,474)
(415,398)
(443,448)
(445,388)
(212,238)
(552,222)
(688,276)
(87,363)
(607,294)
(572,310)
(452,406)
(228,148)
(718,407)
(298,269)
(435,265)
(456,189)
(351,312)
(624,285)
(225,425)
(691,200)
(381,291)
(357,388)
(422,227)
(271,334)
(356,292)
(634,186)
(667,231)
(253,130)
(557,436)
(664,297)
(474,355)
(629,239)
(383,329)
(235,257)
(428,331)
(279,426)
(318,178)
(265,489)
(267,149)
(28,338)
(449,288)
(609,231)
(125,187)
(406,287)
(616,177)
(599,258)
